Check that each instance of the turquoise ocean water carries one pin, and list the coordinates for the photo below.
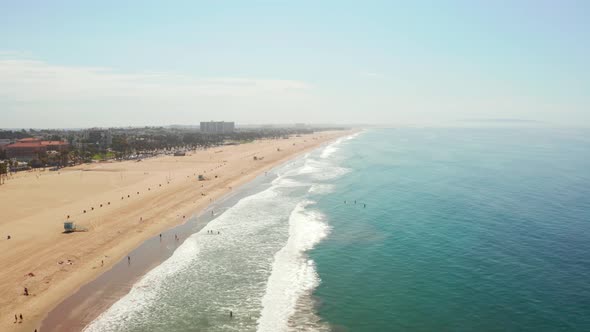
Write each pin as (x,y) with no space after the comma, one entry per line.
(414,229)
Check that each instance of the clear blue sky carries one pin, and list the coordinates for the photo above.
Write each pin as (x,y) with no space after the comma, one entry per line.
(115,63)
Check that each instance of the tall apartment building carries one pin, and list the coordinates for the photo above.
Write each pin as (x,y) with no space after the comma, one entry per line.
(217,127)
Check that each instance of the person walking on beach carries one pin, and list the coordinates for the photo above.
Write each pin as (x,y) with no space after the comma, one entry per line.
(128,259)
(15,318)
(26,291)
(21,317)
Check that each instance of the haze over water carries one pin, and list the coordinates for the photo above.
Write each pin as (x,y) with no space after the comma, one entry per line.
(463,230)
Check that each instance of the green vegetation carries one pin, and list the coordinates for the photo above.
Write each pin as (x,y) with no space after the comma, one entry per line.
(104,156)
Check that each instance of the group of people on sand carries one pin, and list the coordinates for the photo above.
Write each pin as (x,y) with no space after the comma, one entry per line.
(213,232)
(19,319)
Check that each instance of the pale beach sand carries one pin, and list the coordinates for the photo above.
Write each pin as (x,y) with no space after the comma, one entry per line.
(35,205)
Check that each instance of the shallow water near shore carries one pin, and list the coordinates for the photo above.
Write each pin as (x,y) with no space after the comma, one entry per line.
(389,230)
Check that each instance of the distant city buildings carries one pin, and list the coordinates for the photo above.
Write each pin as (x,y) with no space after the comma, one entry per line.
(27,149)
(4,142)
(217,127)
(101,138)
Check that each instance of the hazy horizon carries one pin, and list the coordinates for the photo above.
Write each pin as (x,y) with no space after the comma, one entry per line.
(67,64)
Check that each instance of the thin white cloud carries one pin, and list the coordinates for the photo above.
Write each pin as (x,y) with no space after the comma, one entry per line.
(32,80)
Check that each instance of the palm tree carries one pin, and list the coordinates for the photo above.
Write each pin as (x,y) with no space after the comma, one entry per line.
(3,171)
(63,158)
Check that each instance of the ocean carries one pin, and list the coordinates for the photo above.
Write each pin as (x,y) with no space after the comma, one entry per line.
(410,229)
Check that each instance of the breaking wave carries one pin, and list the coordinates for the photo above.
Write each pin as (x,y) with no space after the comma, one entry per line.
(293,273)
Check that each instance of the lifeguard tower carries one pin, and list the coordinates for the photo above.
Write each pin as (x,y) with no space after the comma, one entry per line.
(70,226)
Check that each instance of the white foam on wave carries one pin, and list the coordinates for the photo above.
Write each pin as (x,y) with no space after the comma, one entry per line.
(331,148)
(353,136)
(321,170)
(286,182)
(335,146)
(293,274)
(321,188)
(145,291)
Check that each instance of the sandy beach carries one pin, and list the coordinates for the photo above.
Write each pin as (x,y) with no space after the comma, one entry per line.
(121,204)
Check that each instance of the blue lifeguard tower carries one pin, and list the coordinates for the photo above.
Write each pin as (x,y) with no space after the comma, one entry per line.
(69,226)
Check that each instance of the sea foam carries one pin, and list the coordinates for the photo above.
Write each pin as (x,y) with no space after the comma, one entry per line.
(293,274)
(144,292)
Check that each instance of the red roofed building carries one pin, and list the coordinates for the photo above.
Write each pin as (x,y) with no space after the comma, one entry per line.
(29,148)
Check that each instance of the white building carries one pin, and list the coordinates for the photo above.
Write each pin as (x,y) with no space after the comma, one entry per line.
(217,127)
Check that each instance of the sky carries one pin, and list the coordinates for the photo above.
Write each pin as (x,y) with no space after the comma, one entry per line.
(70,64)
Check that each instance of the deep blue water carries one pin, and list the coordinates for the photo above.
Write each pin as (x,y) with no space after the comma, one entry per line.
(464,230)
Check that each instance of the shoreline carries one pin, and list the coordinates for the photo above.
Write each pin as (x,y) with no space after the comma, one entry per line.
(155,208)
(93,298)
